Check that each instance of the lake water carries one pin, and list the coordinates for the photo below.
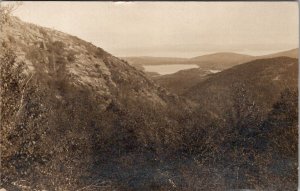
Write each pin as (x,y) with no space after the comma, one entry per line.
(168,68)
(214,71)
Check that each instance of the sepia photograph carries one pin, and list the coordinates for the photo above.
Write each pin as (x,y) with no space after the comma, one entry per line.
(149,96)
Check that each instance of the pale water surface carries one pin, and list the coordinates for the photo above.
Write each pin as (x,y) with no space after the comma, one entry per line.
(164,69)
(214,71)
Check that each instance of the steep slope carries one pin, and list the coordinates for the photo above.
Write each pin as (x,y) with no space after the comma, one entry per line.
(74,106)
(88,65)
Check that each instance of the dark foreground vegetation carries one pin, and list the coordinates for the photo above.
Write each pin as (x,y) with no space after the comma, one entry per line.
(58,134)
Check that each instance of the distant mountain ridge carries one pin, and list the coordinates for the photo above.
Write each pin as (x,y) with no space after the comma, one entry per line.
(218,61)
(185,79)
(293,53)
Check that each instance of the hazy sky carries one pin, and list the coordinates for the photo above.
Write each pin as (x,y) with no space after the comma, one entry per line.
(172,29)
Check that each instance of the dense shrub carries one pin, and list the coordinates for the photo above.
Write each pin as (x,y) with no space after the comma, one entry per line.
(12,91)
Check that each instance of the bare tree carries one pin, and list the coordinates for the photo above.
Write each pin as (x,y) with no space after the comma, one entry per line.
(6,11)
